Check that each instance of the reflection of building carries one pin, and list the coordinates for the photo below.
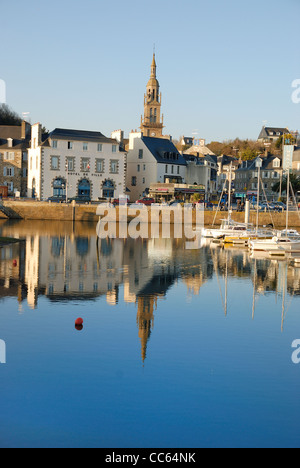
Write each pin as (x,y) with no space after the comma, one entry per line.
(73,163)
(66,263)
(145,320)
(12,274)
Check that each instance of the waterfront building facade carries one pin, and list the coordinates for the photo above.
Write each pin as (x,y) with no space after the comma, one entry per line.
(246,178)
(75,164)
(152,160)
(14,144)
(202,171)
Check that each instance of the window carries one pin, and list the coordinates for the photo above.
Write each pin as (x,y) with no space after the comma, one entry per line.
(114,167)
(172,170)
(70,145)
(99,165)
(54,144)
(71,164)
(138,168)
(144,167)
(8,172)
(85,164)
(144,180)
(85,147)
(166,169)
(100,148)
(266,175)
(59,187)
(24,156)
(9,156)
(54,163)
(133,181)
(141,154)
(276,163)
(178,170)
(114,148)
(108,189)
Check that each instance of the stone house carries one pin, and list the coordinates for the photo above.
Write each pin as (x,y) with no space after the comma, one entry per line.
(246,178)
(14,144)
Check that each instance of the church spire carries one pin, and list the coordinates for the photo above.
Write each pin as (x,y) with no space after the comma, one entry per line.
(153,67)
(152,124)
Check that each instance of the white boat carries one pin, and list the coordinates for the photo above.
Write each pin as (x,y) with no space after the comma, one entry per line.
(228,228)
(277,244)
(290,233)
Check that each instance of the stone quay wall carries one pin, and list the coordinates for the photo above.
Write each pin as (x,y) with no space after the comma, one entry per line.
(31,210)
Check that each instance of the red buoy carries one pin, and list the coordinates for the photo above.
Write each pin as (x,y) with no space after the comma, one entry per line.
(79,322)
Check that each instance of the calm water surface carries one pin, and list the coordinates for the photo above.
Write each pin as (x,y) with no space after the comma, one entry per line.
(180,348)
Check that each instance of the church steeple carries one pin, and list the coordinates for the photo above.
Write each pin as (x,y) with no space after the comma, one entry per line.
(152,124)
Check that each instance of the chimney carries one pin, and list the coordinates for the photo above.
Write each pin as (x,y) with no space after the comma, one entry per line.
(25,130)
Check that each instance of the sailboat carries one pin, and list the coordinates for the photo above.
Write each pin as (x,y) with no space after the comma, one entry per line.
(228,226)
(287,241)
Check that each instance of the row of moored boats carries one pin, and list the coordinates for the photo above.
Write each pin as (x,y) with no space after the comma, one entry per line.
(259,240)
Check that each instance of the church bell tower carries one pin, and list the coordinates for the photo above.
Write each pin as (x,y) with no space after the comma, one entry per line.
(152,123)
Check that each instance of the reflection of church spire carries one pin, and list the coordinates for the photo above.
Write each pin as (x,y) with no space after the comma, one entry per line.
(145,319)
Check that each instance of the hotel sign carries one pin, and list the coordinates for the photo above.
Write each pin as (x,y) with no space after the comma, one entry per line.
(288,153)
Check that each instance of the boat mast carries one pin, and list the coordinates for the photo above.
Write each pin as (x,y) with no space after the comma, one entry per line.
(229,192)
(287,202)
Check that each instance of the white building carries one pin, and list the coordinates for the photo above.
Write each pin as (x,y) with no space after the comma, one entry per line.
(73,163)
(150,161)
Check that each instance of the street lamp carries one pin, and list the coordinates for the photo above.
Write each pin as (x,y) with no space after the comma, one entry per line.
(67,174)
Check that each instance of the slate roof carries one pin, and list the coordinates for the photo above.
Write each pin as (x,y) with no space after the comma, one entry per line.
(267,164)
(159,147)
(14,132)
(79,135)
(267,132)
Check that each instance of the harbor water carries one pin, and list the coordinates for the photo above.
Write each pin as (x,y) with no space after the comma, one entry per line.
(179,348)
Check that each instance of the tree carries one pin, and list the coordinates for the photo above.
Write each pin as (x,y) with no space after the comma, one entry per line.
(248,154)
(9,116)
(294,180)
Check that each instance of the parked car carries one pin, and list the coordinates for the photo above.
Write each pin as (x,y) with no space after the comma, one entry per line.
(177,203)
(280,206)
(56,199)
(122,201)
(146,201)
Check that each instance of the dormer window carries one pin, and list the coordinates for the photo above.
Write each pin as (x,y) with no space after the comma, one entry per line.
(276,163)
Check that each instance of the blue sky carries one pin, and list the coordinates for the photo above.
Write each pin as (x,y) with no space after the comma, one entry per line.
(224,67)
